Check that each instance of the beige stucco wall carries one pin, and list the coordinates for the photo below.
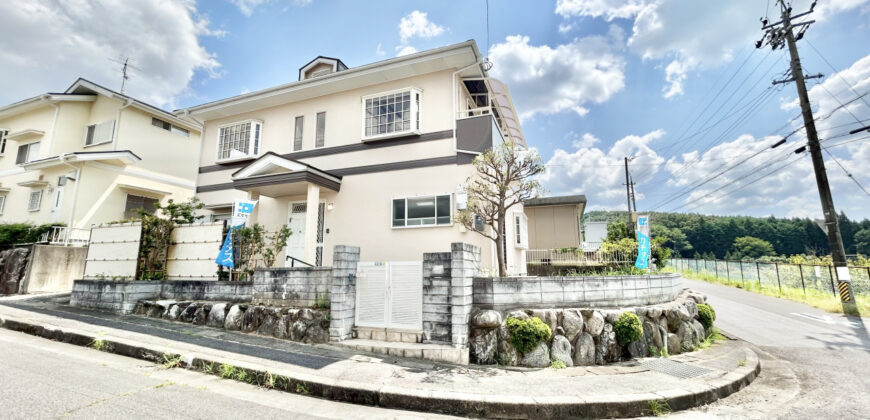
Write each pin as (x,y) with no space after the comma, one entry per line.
(168,163)
(554,226)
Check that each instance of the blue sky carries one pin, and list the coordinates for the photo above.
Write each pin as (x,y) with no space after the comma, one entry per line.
(595,80)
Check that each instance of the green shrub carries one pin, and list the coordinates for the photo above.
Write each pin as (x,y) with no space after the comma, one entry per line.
(706,315)
(527,334)
(22,233)
(628,328)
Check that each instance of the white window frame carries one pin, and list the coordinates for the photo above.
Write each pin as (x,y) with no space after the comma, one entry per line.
(2,202)
(174,129)
(315,130)
(521,231)
(296,123)
(254,149)
(416,114)
(433,196)
(29,157)
(3,143)
(109,140)
(38,201)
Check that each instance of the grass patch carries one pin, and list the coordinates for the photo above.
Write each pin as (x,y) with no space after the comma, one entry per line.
(712,339)
(158,386)
(741,363)
(558,364)
(98,344)
(659,407)
(171,360)
(227,371)
(817,298)
(301,389)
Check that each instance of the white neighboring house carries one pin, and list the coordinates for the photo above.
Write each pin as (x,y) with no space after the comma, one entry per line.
(90,155)
(594,234)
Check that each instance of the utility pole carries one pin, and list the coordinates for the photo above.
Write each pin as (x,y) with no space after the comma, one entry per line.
(628,195)
(779,35)
(633,196)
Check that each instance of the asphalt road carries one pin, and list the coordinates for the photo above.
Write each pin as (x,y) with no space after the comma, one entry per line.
(42,379)
(815,365)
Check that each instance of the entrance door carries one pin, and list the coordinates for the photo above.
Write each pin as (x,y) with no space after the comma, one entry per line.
(56,204)
(390,295)
(296,241)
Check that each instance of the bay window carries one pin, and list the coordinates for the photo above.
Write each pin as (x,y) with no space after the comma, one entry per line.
(239,140)
(390,114)
(431,210)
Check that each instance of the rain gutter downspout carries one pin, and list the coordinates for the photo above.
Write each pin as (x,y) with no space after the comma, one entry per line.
(118,123)
(72,210)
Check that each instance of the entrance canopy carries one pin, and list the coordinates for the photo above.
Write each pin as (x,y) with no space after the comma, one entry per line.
(274,176)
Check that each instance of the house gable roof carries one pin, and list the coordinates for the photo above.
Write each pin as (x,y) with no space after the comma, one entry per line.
(337,65)
(272,163)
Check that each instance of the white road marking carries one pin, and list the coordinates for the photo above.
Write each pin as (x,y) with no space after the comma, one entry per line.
(827,319)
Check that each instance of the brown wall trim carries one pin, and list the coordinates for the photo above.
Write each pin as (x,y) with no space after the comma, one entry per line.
(347,148)
(458,159)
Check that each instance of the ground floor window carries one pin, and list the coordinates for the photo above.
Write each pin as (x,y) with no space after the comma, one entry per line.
(2,203)
(34,201)
(422,211)
(136,202)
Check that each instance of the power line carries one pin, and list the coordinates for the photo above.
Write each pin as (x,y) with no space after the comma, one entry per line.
(846,171)
(836,72)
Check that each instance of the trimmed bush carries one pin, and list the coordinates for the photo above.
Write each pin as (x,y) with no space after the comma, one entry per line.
(628,328)
(22,233)
(706,315)
(527,334)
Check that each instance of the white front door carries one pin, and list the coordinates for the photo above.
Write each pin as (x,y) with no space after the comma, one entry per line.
(296,241)
(56,204)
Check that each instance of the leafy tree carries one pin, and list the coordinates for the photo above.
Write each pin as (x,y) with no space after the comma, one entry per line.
(156,233)
(502,179)
(862,242)
(22,233)
(617,230)
(751,247)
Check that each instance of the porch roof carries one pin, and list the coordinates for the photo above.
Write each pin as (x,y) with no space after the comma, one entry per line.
(273,175)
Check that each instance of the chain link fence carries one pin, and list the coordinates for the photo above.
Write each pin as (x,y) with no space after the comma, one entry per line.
(776,275)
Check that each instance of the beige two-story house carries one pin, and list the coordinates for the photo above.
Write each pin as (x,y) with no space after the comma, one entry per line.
(90,155)
(374,156)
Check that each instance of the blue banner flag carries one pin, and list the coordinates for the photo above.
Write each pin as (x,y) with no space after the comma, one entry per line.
(643,245)
(225,257)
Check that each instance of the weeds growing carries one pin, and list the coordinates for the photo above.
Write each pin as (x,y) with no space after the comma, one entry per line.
(659,407)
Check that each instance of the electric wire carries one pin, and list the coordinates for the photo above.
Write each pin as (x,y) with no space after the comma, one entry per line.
(848,174)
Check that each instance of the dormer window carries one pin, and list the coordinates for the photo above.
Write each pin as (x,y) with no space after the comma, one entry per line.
(321,66)
(239,140)
(391,114)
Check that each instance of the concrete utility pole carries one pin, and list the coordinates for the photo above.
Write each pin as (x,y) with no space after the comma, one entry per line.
(779,35)
(633,196)
(628,195)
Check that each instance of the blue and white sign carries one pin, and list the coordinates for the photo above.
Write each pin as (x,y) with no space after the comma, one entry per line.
(643,244)
(242,209)
(225,257)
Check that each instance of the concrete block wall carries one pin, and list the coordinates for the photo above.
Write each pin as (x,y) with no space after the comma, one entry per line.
(117,296)
(295,286)
(464,266)
(343,292)
(437,278)
(225,291)
(501,293)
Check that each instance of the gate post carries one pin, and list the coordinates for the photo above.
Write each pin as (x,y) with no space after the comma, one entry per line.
(464,265)
(437,321)
(342,293)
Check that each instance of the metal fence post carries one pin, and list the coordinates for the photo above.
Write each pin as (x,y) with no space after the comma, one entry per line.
(778,283)
(758,271)
(716,268)
(803,285)
(742,280)
(727,270)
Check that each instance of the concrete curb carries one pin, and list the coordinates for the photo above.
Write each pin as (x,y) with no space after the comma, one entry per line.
(473,405)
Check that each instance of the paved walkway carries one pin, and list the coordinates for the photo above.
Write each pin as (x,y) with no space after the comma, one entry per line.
(623,389)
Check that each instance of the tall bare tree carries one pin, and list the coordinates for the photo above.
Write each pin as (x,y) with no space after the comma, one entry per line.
(503,178)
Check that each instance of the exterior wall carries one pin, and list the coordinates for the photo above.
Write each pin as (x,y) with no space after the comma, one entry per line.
(295,287)
(554,226)
(503,293)
(37,119)
(161,151)
(595,231)
(53,268)
(121,296)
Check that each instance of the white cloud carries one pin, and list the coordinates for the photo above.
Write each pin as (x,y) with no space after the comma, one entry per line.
(247,6)
(379,51)
(417,24)
(564,28)
(609,9)
(548,80)
(599,173)
(53,43)
(405,50)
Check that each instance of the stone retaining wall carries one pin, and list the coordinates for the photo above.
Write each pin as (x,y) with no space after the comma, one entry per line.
(294,286)
(121,296)
(585,336)
(503,293)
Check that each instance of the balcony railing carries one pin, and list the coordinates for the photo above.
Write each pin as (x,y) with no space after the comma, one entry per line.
(62,235)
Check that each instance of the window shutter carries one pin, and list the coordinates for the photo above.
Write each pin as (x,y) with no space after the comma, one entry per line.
(89,136)
(103,132)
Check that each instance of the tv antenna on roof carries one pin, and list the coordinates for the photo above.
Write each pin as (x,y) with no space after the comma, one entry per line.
(126,68)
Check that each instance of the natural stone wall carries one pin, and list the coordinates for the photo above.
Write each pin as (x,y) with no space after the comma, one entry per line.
(504,293)
(585,336)
(297,324)
(294,286)
(13,269)
(122,296)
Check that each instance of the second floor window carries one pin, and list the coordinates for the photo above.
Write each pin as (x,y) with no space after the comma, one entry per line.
(3,134)
(100,133)
(321,129)
(27,153)
(174,129)
(239,140)
(390,114)
(297,135)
